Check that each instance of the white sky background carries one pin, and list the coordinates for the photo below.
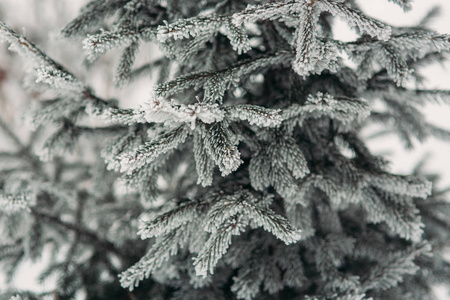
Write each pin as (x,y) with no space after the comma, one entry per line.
(19,13)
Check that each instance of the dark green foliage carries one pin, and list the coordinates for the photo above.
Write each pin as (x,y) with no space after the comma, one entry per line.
(253,181)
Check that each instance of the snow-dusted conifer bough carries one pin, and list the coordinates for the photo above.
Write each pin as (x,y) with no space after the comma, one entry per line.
(246,176)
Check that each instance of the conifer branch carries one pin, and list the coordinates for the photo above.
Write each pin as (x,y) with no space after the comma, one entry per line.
(86,234)
(11,135)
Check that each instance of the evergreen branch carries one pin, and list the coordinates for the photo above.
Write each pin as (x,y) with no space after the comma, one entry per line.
(391,271)
(48,70)
(11,203)
(126,62)
(405,4)
(259,170)
(238,37)
(343,109)
(192,26)
(401,185)
(98,44)
(269,11)
(273,223)
(92,15)
(11,135)
(356,18)
(23,151)
(164,247)
(288,152)
(216,246)
(51,72)
(225,75)
(87,235)
(396,66)
(241,204)
(248,280)
(203,163)
(126,116)
(171,220)
(23,46)
(313,179)
(402,217)
(151,150)
(306,42)
(255,115)
(161,111)
(427,96)
(221,147)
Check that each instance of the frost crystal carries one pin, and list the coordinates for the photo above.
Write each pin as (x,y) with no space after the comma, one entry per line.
(162,111)
(13,203)
(246,175)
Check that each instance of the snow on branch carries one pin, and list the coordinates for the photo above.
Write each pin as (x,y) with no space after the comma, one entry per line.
(401,185)
(123,143)
(216,246)
(393,268)
(314,57)
(171,220)
(402,217)
(356,18)
(98,44)
(214,142)
(279,165)
(48,71)
(127,116)
(190,27)
(273,223)
(228,217)
(237,36)
(162,111)
(24,47)
(151,150)
(269,11)
(243,203)
(203,162)
(312,54)
(395,65)
(222,78)
(205,26)
(306,42)
(221,144)
(396,54)
(11,203)
(163,248)
(255,115)
(343,109)
(91,15)
(181,83)
(405,4)
(127,58)
(58,79)
(286,150)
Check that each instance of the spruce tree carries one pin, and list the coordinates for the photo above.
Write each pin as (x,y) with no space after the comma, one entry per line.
(244,176)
